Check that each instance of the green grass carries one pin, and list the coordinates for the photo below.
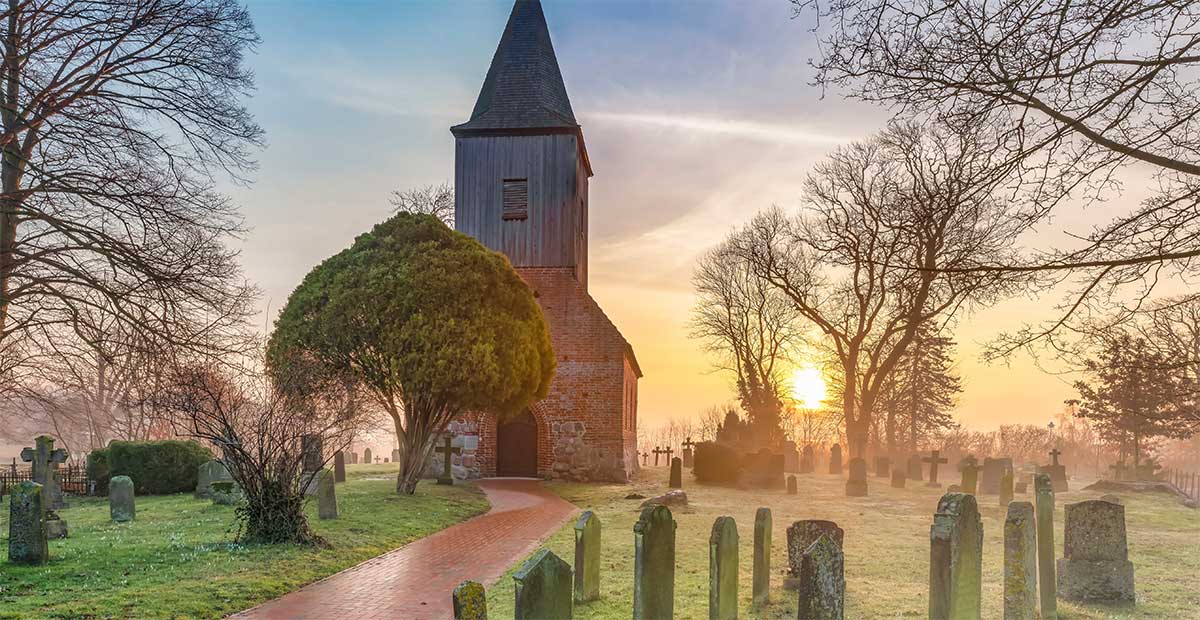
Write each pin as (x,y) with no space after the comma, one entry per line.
(177,560)
(887,549)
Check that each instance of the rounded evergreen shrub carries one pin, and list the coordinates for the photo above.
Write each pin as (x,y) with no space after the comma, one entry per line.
(156,467)
(716,463)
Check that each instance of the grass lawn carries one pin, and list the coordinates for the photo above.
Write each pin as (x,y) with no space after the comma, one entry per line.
(177,560)
(887,549)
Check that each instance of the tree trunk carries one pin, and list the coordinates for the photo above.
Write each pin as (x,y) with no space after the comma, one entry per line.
(415,443)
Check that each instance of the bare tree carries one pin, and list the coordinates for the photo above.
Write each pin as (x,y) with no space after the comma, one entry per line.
(435,200)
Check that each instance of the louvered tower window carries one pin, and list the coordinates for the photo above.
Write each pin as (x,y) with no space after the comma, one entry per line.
(516,199)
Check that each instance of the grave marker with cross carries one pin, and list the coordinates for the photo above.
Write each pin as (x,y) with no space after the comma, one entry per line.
(44,460)
(934,459)
(1054,456)
(657,451)
(688,452)
(446,450)
(669,451)
(645,459)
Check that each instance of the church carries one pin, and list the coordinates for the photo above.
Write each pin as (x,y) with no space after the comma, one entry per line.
(521,188)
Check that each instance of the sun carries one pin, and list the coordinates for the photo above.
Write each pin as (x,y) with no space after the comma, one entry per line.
(808,387)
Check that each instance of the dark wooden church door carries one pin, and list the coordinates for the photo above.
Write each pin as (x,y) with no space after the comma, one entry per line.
(516,447)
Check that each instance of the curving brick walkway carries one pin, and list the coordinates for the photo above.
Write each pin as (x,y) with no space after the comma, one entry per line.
(414,582)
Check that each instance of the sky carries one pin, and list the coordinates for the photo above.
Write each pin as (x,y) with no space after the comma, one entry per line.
(697,115)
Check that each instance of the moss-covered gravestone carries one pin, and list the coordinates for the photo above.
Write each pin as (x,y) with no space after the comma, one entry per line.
(723,570)
(1095,566)
(955,559)
(970,477)
(206,475)
(587,557)
(120,499)
(470,601)
(1043,496)
(327,507)
(1020,562)
(856,483)
(800,536)
(225,493)
(762,556)
(676,481)
(27,525)
(543,588)
(654,564)
(822,584)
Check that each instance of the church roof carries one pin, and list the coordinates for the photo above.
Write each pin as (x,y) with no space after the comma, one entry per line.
(524,88)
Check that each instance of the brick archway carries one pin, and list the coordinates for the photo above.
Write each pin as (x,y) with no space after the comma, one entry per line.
(489,443)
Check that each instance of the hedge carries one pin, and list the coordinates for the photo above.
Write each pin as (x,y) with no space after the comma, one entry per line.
(716,463)
(156,467)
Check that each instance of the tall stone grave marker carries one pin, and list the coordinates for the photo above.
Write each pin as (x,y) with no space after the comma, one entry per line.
(856,484)
(447,450)
(1020,563)
(208,473)
(934,459)
(312,457)
(1057,472)
(44,459)
(807,461)
(470,601)
(956,559)
(1095,566)
(27,525)
(723,570)
(762,556)
(688,452)
(120,499)
(822,581)
(587,557)
(791,457)
(883,466)
(1043,495)
(654,564)
(676,481)
(339,466)
(353,458)
(327,507)
(395,455)
(1006,488)
(970,477)
(543,588)
(993,471)
(914,467)
(898,478)
(800,536)
(367,456)
(791,484)
(835,459)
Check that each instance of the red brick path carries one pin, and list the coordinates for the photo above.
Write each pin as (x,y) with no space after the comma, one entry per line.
(414,582)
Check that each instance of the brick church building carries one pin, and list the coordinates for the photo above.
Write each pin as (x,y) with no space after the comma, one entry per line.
(521,188)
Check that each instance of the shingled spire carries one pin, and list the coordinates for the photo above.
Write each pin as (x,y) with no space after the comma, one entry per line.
(524,88)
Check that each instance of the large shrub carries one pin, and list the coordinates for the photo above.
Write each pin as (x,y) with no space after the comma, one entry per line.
(156,467)
(716,463)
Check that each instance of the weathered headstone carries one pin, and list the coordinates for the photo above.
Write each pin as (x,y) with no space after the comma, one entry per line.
(27,525)
(225,493)
(44,459)
(970,477)
(1006,487)
(1057,472)
(883,466)
(470,601)
(587,557)
(339,466)
(1043,495)
(791,457)
(791,484)
(898,479)
(208,473)
(934,459)
(856,483)
(914,467)
(395,455)
(367,456)
(993,471)
(822,584)
(835,459)
(688,452)
(723,570)
(1020,563)
(800,536)
(807,461)
(762,556)
(312,459)
(327,507)
(120,499)
(676,481)
(353,460)
(447,450)
(654,564)
(956,559)
(1095,566)
(543,588)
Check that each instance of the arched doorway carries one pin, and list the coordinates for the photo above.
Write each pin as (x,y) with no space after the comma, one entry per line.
(517,447)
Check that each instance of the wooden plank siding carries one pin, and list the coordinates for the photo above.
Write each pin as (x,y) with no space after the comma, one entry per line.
(554,234)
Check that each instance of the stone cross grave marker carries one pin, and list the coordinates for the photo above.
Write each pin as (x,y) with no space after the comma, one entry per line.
(120,499)
(898,478)
(914,467)
(791,484)
(1057,472)
(970,477)
(807,460)
(956,559)
(587,557)
(1095,566)
(688,453)
(1020,563)
(367,456)
(668,452)
(654,564)
(645,459)
(856,483)
(657,451)
(822,584)
(543,588)
(27,525)
(883,466)
(339,466)
(800,536)
(327,507)
(44,459)
(676,481)
(470,601)
(762,557)
(835,459)
(1043,495)
(447,450)
(934,459)
(723,570)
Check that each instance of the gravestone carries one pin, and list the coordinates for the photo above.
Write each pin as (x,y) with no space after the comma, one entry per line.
(1021,487)
(934,459)
(1095,566)
(395,455)
(354,459)
(543,588)
(657,451)
(676,481)
(856,484)
(312,457)
(883,466)
(723,570)
(791,484)
(762,556)
(44,459)
(1057,472)
(587,557)
(822,583)
(993,471)
(970,477)
(447,450)
(898,479)
(470,601)
(367,456)
(1043,495)
(654,564)
(1006,488)
(956,559)
(208,473)
(645,459)
(835,459)
(791,457)
(688,452)
(914,467)
(225,493)
(339,466)
(120,499)
(27,525)
(800,536)
(807,462)
(1020,563)
(327,507)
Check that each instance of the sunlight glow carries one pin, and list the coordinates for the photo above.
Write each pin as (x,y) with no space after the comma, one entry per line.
(808,387)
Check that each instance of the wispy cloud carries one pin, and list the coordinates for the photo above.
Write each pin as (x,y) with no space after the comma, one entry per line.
(750,130)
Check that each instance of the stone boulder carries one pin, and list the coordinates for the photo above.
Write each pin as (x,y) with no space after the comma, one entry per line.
(676,497)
